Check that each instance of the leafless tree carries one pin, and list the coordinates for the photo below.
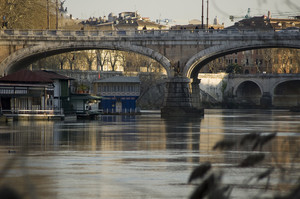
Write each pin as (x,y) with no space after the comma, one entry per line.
(101,59)
(62,58)
(27,14)
(90,57)
(113,56)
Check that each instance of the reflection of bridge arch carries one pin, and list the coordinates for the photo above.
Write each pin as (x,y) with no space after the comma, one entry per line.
(248,92)
(25,56)
(202,58)
(286,93)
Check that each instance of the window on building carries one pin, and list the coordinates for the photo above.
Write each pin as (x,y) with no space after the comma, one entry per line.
(247,62)
(235,61)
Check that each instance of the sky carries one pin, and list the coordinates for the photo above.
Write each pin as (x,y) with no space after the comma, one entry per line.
(182,11)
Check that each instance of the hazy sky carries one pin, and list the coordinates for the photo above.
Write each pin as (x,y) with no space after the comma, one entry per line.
(182,11)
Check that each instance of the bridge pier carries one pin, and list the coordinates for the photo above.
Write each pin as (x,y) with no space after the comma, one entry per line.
(266,100)
(178,99)
(196,102)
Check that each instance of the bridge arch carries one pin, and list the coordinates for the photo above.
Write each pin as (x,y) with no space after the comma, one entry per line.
(286,93)
(248,92)
(194,64)
(27,55)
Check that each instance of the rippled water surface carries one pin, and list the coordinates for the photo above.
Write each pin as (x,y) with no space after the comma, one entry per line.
(144,156)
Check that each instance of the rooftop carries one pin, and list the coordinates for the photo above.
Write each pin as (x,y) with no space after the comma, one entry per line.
(27,76)
(265,23)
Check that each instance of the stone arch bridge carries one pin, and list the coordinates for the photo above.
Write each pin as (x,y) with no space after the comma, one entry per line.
(265,90)
(181,52)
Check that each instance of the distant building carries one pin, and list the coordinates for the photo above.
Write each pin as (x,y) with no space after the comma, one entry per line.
(269,60)
(266,23)
(119,94)
(196,24)
(125,21)
(261,60)
(166,22)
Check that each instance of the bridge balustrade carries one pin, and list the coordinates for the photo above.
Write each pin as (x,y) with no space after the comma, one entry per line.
(137,33)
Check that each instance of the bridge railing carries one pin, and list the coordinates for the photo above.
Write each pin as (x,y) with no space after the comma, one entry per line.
(128,33)
(266,75)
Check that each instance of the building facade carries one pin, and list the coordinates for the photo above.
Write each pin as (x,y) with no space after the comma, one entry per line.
(271,60)
(119,94)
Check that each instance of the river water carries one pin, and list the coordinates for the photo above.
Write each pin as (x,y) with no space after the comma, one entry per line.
(120,157)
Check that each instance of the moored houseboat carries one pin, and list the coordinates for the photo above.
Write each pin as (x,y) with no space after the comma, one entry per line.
(34,95)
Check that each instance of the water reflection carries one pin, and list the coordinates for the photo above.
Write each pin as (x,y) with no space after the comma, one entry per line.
(139,156)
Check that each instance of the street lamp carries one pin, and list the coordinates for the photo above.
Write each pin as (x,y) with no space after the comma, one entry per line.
(202,16)
(48,15)
(207,16)
(56,12)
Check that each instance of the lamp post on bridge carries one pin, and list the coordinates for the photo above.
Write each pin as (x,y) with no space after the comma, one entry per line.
(202,16)
(56,13)
(48,15)
(207,16)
